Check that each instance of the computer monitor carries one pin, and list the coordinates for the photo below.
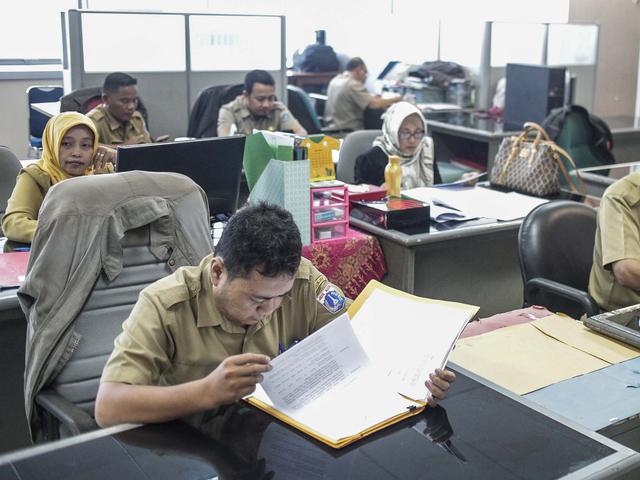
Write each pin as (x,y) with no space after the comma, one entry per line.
(213,163)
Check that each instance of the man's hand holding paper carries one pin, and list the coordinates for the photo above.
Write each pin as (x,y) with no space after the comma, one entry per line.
(353,377)
(236,377)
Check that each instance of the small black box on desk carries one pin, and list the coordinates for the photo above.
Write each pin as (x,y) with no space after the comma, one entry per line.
(404,215)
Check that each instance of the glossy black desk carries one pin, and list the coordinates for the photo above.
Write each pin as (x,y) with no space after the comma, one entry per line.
(480,433)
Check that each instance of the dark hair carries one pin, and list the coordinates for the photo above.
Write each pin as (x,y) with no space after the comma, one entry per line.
(257,76)
(114,81)
(261,236)
(353,63)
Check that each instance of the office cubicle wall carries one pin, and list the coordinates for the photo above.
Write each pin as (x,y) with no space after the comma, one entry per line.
(173,55)
(487,47)
(572,46)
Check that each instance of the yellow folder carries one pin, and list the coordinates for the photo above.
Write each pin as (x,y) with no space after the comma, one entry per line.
(378,314)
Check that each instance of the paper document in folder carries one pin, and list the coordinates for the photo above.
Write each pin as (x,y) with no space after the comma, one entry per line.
(478,201)
(352,378)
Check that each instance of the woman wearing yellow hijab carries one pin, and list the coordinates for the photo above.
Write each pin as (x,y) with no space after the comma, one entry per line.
(70,149)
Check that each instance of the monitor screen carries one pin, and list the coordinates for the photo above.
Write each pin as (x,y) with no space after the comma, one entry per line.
(213,163)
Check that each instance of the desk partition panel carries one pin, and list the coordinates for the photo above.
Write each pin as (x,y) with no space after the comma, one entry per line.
(573,46)
(173,55)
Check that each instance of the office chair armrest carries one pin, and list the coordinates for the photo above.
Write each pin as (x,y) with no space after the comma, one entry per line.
(68,414)
(580,297)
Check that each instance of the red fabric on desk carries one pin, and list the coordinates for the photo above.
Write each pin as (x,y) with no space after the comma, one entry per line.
(349,263)
(13,268)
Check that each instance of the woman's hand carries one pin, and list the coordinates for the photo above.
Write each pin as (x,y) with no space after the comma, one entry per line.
(103,156)
(469,178)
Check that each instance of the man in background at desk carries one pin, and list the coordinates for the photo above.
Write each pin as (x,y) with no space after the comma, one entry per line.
(257,108)
(615,274)
(117,120)
(347,98)
(202,337)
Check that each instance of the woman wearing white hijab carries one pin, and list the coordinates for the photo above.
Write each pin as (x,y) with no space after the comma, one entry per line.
(403,134)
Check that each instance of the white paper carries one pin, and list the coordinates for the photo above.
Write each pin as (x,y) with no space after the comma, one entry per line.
(478,201)
(442,214)
(314,366)
(348,376)
(408,339)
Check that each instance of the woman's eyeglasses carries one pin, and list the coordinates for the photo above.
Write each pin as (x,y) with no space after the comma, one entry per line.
(418,135)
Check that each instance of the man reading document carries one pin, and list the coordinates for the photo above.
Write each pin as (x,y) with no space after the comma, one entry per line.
(204,336)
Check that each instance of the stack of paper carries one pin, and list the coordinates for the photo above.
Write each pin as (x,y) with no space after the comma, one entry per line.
(352,378)
(474,202)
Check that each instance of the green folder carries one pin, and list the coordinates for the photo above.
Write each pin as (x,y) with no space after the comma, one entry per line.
(259,148)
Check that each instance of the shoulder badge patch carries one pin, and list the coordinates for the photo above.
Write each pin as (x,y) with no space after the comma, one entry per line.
(331,299)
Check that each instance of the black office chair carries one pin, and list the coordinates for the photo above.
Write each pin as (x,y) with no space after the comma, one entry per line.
(67,346)
(38,120)
(203,120)
(9,168)
(302,108)
(555,246)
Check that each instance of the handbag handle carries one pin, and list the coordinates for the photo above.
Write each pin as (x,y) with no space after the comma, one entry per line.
(528,128)
(565,174)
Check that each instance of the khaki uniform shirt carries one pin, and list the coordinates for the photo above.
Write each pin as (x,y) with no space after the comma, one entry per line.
(347,99)
(617,238)
(236,113)
(175,333)
(112,132)
(21,217)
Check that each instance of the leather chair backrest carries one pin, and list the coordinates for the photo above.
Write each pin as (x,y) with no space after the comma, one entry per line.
(354,144)
(100,320)
(9,168)
(203,119)
(556,242)
(301,107)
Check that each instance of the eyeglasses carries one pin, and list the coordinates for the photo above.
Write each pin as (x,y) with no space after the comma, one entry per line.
(418,135)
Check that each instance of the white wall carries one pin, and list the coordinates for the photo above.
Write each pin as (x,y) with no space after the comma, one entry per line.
(616,80)
(14,121)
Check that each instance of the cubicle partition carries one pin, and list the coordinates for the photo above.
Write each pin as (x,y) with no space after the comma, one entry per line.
(573,46)
(173,55)
(487,47)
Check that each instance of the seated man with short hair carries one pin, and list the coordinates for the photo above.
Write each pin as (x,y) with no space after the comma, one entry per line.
(347,98)
(117,120)
(615,274)
(257,108)
(202,337)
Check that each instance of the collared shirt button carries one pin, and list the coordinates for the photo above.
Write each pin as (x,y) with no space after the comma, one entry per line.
(172,262)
